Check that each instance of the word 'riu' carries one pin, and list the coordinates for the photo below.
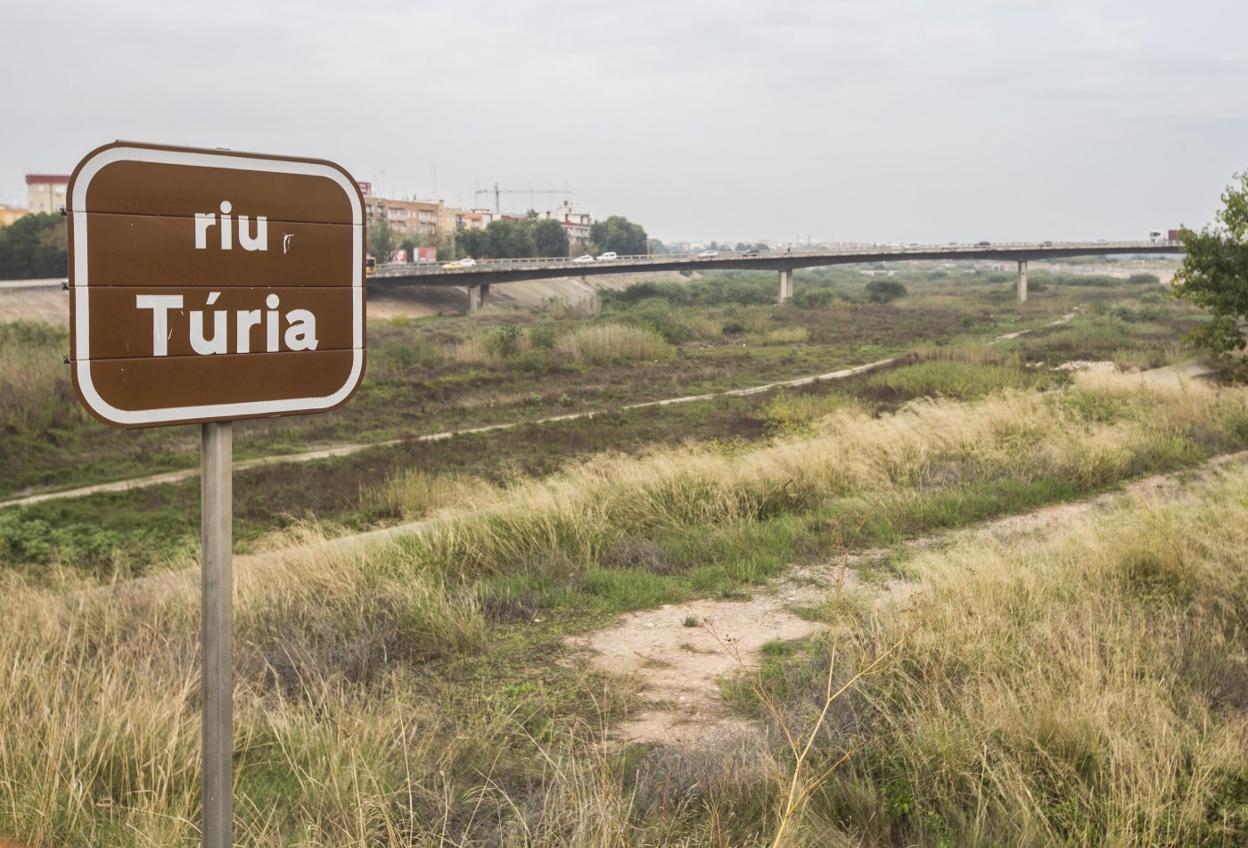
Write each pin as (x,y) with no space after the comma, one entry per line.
(247,240)
(300,333)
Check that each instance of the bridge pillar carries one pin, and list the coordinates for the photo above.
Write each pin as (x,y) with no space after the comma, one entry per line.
(476,298)
(786,285)
(1022,281)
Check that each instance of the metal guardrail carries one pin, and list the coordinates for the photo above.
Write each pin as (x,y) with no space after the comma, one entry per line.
(900,251)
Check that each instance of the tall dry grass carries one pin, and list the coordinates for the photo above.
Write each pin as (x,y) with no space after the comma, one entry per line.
(35,387)
(344,739)
(412,493)
(341,738)
(1106,428)
(605,343)
(1092,689)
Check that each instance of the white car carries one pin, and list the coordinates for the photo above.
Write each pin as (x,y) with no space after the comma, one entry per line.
(468,262)
(608,256)
(583,259)
(708,254)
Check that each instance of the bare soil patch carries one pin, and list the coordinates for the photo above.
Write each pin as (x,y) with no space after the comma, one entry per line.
(678,653)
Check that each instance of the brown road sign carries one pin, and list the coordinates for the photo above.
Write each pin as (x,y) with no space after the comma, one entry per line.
(208,285)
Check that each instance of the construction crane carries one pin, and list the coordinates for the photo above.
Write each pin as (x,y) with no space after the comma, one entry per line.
(498,192)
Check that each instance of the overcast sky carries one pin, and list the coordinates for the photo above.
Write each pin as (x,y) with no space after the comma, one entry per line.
(877,120)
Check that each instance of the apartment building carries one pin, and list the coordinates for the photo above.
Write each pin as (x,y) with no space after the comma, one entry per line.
(46,192)
(576,224)
(406,217)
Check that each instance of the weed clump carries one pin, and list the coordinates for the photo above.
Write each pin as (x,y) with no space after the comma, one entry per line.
(959,380)
(607,343)
(637,553)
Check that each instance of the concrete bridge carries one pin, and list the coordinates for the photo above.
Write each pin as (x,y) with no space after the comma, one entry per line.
(487,272)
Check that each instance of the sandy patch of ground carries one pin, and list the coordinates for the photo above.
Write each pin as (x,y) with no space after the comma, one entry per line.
(1087,365)
(387,300)
(678,653)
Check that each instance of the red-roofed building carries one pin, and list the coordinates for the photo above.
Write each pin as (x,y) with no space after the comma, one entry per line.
(46,192)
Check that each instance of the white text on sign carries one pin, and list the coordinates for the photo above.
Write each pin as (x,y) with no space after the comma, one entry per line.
(247,240)
(300,332)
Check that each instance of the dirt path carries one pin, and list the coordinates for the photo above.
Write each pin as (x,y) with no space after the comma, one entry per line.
(348,449)
(330,451)
(1065,319)
(351,448)
(679,652)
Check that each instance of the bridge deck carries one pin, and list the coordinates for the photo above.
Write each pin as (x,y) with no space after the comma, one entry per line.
(492,271)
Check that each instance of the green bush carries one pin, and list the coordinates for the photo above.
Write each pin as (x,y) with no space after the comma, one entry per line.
(885,291)
(731,288)
(660,317)
(504,342)
(958,380)
(542,338)
(814,298)
(34,246)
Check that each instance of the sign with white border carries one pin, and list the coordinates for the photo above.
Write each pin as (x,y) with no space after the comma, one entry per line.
(208,285)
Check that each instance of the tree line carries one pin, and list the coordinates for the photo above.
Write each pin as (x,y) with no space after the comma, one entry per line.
(530,236)
(34,247)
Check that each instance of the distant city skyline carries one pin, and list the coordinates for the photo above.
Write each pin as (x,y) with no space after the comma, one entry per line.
(855,121)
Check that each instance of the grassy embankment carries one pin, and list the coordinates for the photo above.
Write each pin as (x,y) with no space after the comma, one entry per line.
(1088,691)
(649,342)
(440,373)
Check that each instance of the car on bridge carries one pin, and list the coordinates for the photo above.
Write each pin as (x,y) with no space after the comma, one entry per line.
(708,254)
(608,256)
(583,258)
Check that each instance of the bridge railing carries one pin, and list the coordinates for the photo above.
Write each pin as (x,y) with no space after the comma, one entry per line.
(434,269)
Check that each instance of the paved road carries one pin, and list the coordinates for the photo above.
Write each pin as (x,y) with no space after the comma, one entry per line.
(490,271)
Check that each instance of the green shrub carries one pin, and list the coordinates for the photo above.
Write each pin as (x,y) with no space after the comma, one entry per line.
(504,343)
(743,288)
(958,380)
(792,414)
(885,291)
(660,317)
(542,338)
(814,298)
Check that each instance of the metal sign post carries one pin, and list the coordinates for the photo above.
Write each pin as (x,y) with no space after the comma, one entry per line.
(207,287)
(216,493)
